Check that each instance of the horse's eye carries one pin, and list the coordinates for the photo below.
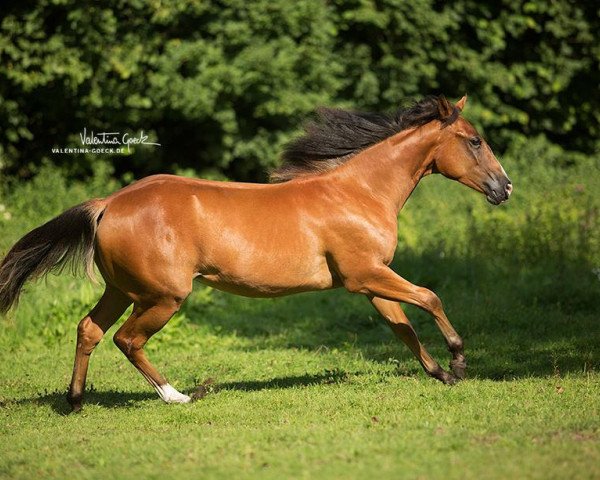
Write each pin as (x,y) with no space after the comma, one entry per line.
(475,141)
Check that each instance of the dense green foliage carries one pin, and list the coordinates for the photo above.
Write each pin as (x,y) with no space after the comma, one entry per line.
(221,85)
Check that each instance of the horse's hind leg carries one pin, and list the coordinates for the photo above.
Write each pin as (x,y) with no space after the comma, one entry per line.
(402,328)
(90,331)
(144,322)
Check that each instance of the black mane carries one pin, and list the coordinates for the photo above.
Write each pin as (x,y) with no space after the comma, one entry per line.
(336,135)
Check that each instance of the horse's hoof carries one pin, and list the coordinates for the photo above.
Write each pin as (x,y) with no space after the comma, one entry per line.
(450,379)
(458,367)
(75,402)
(445,377)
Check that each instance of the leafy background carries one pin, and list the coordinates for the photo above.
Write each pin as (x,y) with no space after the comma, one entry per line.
(223,84)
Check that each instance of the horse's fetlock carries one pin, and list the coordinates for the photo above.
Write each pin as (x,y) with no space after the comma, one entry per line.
(455,344)
(442,375)
(436,372)
(75,400)
(458,366)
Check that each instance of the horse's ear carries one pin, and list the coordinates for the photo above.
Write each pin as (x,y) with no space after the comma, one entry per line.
(445,107)
(461,103)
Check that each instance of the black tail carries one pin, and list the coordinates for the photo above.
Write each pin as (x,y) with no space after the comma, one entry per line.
(64,241)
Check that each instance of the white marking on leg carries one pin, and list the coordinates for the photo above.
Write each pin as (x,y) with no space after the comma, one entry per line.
(171,395)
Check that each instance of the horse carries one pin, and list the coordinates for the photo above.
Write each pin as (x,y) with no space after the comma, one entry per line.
(328,219)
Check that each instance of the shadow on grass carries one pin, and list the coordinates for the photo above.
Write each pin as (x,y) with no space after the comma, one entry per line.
(328,377)
(517,321)
(114,399)
(58,400)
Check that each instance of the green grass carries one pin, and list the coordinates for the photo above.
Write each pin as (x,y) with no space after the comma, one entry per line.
(315,385)
(307,386)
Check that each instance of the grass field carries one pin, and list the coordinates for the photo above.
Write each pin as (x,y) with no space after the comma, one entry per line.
(314,385)
(311,386)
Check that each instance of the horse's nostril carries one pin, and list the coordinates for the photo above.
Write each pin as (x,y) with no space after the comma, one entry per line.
(509,188)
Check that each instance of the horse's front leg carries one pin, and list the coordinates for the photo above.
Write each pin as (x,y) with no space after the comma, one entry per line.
(381,281)
(402,328)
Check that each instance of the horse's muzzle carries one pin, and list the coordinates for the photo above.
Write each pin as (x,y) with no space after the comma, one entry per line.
(498,190)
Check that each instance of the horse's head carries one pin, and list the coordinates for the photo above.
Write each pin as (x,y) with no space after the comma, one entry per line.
(464,156)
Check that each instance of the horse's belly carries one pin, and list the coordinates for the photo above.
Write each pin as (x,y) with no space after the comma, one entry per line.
(261,290)
(271,280)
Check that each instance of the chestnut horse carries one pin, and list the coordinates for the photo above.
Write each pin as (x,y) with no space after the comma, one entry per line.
(329,220)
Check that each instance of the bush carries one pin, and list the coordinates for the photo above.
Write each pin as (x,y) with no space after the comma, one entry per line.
(222,85)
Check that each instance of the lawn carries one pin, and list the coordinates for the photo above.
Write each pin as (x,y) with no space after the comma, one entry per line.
(308,386)
(315,385)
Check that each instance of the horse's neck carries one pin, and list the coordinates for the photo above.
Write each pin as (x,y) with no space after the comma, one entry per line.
(392,169)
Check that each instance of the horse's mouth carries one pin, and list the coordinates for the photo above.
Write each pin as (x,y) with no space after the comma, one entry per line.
(495,200)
